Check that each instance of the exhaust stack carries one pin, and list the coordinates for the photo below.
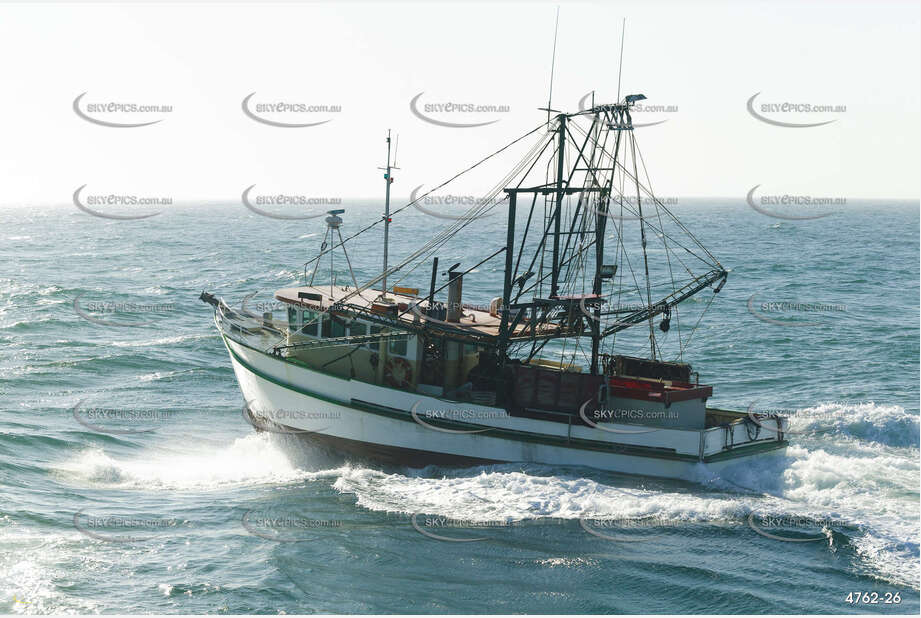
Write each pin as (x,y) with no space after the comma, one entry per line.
(455,294)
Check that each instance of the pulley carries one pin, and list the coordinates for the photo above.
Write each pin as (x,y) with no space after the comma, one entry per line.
(666,322)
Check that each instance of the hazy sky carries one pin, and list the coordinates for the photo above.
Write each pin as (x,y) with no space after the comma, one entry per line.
(705,59)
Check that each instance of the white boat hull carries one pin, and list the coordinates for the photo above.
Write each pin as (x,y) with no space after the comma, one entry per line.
(387,424)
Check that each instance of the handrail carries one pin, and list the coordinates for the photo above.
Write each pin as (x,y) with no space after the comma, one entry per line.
(341,341)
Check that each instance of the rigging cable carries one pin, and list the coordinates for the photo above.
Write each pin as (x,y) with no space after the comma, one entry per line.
(443,236)
(426,194)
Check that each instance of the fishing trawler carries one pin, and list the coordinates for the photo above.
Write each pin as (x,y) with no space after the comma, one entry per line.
(418,375)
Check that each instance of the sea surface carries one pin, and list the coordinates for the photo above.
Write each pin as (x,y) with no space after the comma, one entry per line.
(130,482)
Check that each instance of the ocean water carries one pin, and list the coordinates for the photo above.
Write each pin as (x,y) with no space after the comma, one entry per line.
(129,481)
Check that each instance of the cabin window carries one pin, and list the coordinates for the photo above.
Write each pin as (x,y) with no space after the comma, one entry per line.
(469,349)
(292,318)
(398,347)
(311,324)
(333,327)
(358,329)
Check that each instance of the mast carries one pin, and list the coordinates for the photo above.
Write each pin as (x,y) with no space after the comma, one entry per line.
(601,217)
(506,313)
(556,29)
(387,179)
(557,211)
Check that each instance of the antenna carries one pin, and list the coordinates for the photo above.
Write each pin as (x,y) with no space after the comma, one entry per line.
(396,147)
(388,178)
(620,66)
(333,222)
(556,29)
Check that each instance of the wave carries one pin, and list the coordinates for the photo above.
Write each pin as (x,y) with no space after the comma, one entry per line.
(252,460)
(890,425)
(880,523)
(874,488)
(24,325)
(164,340)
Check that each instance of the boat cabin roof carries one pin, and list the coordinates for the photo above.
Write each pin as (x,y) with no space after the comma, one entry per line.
(475,320)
